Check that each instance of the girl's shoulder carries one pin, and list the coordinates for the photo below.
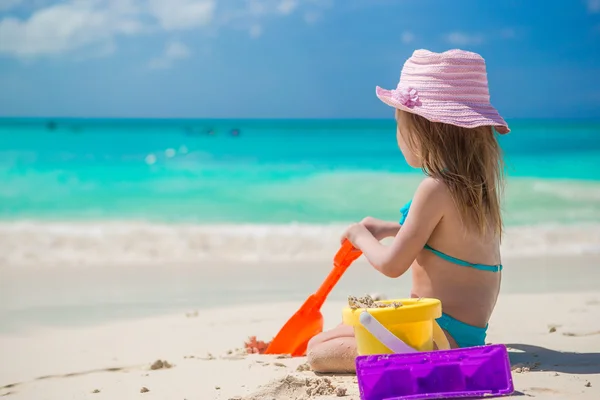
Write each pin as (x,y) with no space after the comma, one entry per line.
(432,198)
(432,188)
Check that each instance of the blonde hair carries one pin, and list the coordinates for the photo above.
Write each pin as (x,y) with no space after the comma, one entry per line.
(468,161)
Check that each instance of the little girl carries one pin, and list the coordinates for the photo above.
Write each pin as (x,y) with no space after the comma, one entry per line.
(449,233)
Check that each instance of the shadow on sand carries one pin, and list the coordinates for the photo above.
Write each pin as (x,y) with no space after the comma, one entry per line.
(552,360)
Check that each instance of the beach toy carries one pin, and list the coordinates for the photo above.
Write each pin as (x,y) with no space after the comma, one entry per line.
(413,323)
(308,321)
(384,336)
(471,372)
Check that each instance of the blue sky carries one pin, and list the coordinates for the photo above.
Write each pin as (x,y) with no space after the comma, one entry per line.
(286,58)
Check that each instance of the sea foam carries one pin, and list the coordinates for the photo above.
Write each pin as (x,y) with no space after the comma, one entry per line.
(137,243)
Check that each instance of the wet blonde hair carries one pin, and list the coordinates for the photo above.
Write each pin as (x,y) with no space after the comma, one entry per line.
(468,161)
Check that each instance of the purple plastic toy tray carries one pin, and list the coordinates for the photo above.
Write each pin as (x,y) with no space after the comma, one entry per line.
(472,372)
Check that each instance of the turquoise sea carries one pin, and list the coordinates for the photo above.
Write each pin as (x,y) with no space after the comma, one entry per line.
(272,171)
(185,204)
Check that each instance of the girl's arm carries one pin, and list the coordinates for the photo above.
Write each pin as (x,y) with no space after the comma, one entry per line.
(426,211)
(381,229)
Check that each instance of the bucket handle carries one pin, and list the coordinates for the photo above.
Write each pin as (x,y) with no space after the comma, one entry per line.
(439,337)
(392,342)
(381,333)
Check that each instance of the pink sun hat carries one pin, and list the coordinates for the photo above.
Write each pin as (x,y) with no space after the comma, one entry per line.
(449,87)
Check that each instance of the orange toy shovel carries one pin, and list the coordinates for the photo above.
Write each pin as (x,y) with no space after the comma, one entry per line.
(308,321)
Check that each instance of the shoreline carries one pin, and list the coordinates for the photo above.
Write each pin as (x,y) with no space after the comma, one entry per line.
(72,295)
(117,243)
(54,295)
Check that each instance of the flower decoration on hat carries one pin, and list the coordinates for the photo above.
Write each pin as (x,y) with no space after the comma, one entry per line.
(407,96)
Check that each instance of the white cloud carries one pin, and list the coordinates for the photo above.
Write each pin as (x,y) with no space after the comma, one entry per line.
(255,31)
(91,27)
(287,6)
(253,15)
(76,24)
(64,27)
(463,39)
(407,37)
(174,51)
(182,14)
(593,6)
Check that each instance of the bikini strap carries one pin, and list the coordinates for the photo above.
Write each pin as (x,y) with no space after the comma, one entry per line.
(482,267)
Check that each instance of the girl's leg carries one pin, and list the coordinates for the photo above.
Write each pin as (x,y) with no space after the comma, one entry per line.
(333,351)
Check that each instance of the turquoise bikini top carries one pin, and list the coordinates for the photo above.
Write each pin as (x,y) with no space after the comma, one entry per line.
(482,267)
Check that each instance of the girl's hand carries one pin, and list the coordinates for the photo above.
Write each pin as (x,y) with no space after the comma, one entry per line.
(354,232)
(375,226)
(378,228)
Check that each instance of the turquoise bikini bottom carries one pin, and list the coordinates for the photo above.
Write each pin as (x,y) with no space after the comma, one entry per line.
(465,335)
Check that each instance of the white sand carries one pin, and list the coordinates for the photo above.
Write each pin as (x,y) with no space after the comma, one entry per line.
(71,363)
(68,331)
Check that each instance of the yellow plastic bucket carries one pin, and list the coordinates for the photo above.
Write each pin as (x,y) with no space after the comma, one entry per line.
(413,323)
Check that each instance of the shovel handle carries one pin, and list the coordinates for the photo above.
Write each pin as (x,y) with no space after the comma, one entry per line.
(342,260)
(346,254)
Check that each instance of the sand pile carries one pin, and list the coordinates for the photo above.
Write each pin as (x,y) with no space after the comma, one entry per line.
(368,302)
(299,388)
(160,364)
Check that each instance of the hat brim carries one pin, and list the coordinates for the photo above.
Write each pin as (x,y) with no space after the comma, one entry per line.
(458,114)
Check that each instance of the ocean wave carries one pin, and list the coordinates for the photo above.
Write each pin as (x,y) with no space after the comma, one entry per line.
(136,243)
(267,194)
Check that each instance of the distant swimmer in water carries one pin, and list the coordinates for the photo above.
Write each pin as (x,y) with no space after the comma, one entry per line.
(51,125)
(210,131)
(235,132)
(191,131)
